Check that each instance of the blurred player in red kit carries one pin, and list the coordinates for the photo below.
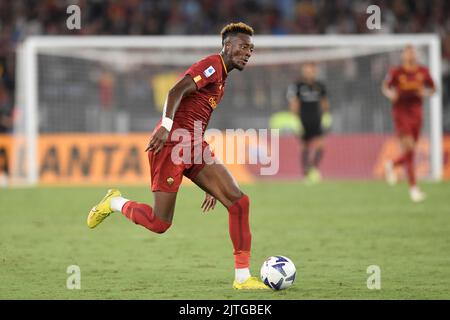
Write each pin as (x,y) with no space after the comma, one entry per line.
(188,108)
(406,86)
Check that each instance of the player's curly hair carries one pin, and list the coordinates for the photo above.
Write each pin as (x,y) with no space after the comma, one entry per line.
(235,28)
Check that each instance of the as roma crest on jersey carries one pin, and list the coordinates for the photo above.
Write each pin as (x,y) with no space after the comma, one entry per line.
(212,102)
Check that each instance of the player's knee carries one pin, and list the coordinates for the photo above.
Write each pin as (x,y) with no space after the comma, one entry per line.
(238,196)
(234,194)
(161,227)
(160,223)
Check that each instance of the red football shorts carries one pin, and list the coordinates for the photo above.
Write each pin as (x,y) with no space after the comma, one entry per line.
(167,174)
(408,122)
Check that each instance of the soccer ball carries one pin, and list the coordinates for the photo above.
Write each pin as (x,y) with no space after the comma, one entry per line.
(278,272)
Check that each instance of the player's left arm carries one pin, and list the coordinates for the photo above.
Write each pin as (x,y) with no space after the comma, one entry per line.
(325,108)
(293,100)
(324,104)
(429,88)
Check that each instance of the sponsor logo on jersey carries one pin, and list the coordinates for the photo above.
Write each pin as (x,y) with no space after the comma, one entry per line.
(212,102)
(209,71)
(412,83)
(309,94)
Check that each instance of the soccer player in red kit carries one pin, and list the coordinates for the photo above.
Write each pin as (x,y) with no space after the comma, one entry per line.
(406,86)
(188,107)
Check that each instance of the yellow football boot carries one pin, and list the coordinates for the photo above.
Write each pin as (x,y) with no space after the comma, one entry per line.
(102,209)
(251,283)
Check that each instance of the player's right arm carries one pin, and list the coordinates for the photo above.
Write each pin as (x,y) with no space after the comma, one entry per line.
(293,100)
(388,87)
(183,88)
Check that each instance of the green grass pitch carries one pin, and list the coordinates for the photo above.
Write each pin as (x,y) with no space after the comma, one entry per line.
(332,232)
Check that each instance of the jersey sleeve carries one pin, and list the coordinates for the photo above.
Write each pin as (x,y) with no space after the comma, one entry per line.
(204,72)
(391,78)
(428,81)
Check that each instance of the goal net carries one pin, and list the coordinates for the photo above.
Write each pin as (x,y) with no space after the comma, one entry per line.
(86,105)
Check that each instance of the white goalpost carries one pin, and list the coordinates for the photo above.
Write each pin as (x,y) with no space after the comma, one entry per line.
(62,82)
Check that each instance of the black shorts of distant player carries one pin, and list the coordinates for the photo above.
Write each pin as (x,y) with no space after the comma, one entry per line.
(312,128)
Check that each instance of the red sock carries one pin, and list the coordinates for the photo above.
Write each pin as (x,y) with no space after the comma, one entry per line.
(240,234)
(409,166)
(142,214)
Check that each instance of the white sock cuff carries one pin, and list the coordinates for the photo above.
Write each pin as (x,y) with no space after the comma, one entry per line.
(117,203)
(241,275)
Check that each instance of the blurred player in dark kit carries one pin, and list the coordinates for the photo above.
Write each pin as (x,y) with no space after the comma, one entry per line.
(308,99)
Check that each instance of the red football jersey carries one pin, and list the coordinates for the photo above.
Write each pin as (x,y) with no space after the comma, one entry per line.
(209,74)
(408,83)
